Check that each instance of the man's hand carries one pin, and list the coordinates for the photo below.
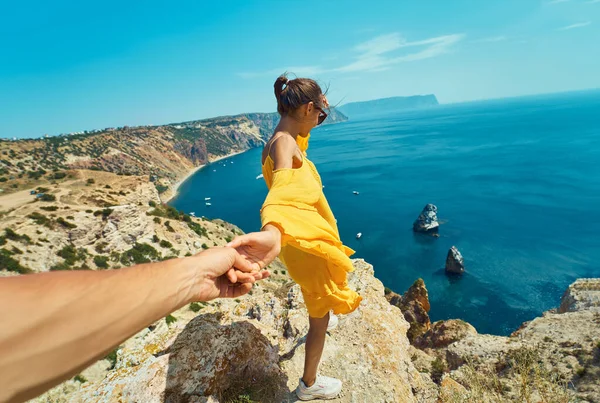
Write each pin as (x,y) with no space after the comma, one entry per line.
(258,248)
(221,273)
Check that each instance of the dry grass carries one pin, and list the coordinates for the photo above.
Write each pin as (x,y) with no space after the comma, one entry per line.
(523,379)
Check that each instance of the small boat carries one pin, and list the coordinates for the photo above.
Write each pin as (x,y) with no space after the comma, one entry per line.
(208,204)
(214,170)
(207,198)
(192,214)
(259,176)
(358,235)
(355,192)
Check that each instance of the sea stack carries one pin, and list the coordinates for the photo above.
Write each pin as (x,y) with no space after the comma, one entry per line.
(427,222)
(455,262)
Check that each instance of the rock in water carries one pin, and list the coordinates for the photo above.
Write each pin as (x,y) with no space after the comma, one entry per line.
(427,222)
(454,262)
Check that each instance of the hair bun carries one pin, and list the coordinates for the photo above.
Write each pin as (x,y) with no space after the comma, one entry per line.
(279,83)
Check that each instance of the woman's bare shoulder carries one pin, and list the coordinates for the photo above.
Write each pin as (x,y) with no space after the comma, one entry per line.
(282,150)
(282,144)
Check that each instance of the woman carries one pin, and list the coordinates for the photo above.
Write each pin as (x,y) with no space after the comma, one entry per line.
(297,209)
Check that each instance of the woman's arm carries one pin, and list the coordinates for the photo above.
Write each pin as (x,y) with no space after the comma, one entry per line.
(259,248)
(282,152)
(53,325)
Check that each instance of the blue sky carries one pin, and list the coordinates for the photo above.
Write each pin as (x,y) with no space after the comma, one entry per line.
(70,66)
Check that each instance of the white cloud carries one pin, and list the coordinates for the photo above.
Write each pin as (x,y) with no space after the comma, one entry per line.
(378,54)
(491,39)
(573,26)
(592,1)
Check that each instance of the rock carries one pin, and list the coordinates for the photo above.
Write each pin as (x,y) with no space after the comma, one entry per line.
(421,360)
(445,332)
(414,305)
(452,391)
(255,346)
(479,349)
(583,294)
(187,369)
(455,262)
(418,293)
(560,348)
(427,221)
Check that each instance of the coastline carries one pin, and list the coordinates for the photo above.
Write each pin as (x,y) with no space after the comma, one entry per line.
(175,188)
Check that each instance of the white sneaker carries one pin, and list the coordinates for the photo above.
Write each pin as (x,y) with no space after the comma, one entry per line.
(333,322)
(323,388)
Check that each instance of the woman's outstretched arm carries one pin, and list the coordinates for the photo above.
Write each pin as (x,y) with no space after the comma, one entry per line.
(53,325)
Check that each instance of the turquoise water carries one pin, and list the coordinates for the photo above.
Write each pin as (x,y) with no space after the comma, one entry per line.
(516,182)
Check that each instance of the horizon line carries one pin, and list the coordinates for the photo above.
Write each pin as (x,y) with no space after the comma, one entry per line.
(41,137)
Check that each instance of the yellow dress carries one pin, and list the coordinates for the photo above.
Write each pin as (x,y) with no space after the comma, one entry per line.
(311,247)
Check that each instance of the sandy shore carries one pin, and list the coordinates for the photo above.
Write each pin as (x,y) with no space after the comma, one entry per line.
(175,187)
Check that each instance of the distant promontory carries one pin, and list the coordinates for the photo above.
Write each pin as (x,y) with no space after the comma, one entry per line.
(386,105)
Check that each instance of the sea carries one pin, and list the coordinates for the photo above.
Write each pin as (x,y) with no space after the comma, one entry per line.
(516,182)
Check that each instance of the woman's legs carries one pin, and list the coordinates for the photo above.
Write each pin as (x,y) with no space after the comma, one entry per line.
(315,341)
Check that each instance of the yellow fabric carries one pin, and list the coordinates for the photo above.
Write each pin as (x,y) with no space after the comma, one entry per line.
(311,246)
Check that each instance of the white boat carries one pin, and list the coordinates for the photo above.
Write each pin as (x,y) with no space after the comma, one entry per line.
(214,170)
(358,235)
(259,176)
(355,192)
(193,214)
(208,204)
(207,198)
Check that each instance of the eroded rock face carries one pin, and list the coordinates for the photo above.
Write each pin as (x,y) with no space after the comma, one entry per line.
(256,346)
(427,222)
(445,332)
(414,305)
(583,294)
(194,151)
(454,262)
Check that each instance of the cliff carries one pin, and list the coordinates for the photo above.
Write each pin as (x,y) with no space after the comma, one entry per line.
(253,348)
(76,230)
(356,110)
(167,153)
(553,358)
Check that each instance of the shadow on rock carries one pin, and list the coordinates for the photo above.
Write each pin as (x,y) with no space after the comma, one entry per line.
(225,361)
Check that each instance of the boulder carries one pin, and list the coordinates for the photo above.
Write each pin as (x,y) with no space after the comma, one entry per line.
(445,332)
(427,221)
(454,262)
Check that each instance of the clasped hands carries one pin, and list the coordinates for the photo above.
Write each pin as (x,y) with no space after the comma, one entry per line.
(230,271)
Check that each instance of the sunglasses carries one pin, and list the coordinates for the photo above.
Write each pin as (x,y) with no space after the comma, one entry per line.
(322,115)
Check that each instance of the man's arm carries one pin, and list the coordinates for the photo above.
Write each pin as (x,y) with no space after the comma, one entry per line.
(53,325)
